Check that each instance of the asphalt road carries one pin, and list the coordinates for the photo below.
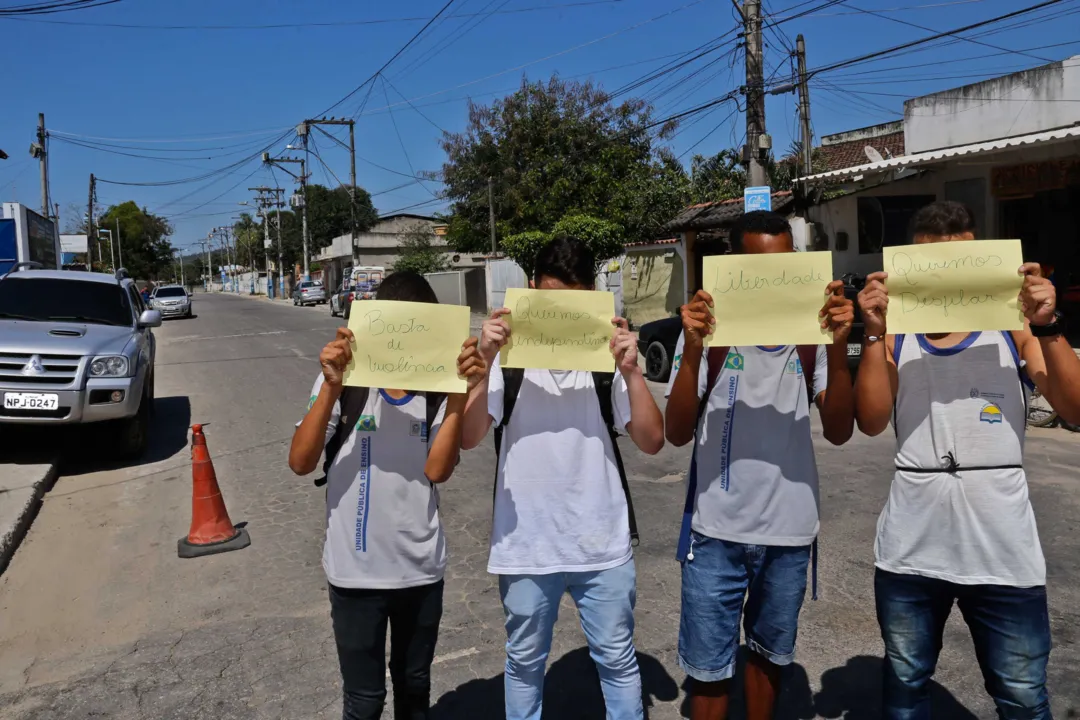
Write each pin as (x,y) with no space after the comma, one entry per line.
(100,619)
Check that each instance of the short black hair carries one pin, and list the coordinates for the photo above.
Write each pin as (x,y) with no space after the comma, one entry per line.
(568,260)
(406,285)
(758,222)
(943,218)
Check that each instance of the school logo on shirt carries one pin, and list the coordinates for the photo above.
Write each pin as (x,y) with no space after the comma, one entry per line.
(734,361)
(311,402)
(794,367)
(676,363)
(366,423)
(991,413)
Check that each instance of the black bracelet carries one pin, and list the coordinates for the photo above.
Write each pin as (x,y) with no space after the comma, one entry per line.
(1052,329)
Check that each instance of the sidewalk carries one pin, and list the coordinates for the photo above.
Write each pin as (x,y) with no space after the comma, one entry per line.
(25,477)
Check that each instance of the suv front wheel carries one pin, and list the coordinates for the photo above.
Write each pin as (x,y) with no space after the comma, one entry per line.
(133,433)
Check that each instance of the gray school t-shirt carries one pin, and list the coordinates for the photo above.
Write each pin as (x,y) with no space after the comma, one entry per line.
(382,513)
(757,480)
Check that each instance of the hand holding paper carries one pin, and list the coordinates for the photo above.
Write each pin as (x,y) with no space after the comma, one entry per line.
(559,330)
(407,345)
(960,286)
(769,299)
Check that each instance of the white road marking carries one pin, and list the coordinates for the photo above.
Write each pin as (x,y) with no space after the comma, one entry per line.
(188,338)
(456,655)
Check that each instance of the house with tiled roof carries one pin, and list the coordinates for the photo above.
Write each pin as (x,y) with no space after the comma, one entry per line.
(858,147)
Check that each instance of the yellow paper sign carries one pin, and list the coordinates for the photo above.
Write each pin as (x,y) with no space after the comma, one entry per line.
(559,330)
(954,286)
(769,299)
(407,345)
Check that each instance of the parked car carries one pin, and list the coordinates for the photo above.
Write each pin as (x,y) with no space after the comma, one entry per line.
(171,301)
(339,301)
(77,348)
(657,340)
(309,292)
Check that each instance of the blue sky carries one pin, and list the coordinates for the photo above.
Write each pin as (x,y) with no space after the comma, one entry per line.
(228,92)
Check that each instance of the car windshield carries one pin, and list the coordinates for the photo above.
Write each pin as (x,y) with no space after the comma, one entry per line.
(57,300)
(171,292)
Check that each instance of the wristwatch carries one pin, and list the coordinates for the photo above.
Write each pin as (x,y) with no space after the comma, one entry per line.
(1052,329)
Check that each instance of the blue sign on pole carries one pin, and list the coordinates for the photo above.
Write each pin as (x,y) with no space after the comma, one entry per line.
(757,198)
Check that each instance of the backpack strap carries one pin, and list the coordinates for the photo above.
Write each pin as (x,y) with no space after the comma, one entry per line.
(351,404)
(715,359)
(434,401)
(512,379)
(1010,341)
(602,381)
(808,360)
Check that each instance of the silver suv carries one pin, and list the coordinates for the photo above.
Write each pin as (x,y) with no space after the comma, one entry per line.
(171,301)
(77,347)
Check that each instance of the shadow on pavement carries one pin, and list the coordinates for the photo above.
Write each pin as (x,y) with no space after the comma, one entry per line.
(851,692)
(571,691)
(86,449)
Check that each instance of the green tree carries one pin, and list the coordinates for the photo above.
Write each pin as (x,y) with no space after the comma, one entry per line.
(329,215)
(602,236)
(557,149)
(248,232)
(419,253)
(143,240)
(723,177)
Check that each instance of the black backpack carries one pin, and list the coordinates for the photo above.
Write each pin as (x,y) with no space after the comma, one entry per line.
(512,379)
(352,401)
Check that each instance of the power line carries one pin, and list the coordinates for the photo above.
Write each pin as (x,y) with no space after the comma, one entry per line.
(931,38)
(393,57)
(923,27)
(322,24)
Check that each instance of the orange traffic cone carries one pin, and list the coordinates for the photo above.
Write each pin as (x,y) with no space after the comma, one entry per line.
(211,529)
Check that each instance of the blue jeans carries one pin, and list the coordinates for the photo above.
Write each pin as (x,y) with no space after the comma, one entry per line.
(605,601)
(717,578)
(1010,627)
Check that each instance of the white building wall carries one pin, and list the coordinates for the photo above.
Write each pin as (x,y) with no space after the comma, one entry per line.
(1043,98)
(958,180)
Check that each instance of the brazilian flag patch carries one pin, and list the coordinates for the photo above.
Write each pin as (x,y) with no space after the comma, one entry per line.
(366,423)
(734,361)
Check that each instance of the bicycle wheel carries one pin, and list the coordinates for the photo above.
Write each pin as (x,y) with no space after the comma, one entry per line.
(1040,414)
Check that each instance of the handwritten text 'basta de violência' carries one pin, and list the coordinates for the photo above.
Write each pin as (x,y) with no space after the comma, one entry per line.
(740,281)
(397,331)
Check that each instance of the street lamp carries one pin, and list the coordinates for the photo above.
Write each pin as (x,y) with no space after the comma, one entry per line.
(112,253)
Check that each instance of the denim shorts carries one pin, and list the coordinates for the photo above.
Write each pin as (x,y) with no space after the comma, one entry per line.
(715,584)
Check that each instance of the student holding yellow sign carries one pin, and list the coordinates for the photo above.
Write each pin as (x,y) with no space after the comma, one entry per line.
(958,527)
(751,514)
(562,518)
(385,553)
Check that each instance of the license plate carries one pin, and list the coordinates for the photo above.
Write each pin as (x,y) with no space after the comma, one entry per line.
(854,349)
(31,401)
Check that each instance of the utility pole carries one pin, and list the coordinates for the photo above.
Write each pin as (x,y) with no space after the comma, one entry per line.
(37,150)
(804,109)
(280,231)
(297,201)
(306,126)
(183,282)
(757,142)
(304,130)
(263,202)
(208,276)
(119,245)
(491,211)
(90,236)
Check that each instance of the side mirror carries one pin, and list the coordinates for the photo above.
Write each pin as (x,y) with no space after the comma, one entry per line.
(150,319)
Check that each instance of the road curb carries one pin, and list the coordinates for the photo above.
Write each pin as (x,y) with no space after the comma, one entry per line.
(22,488)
